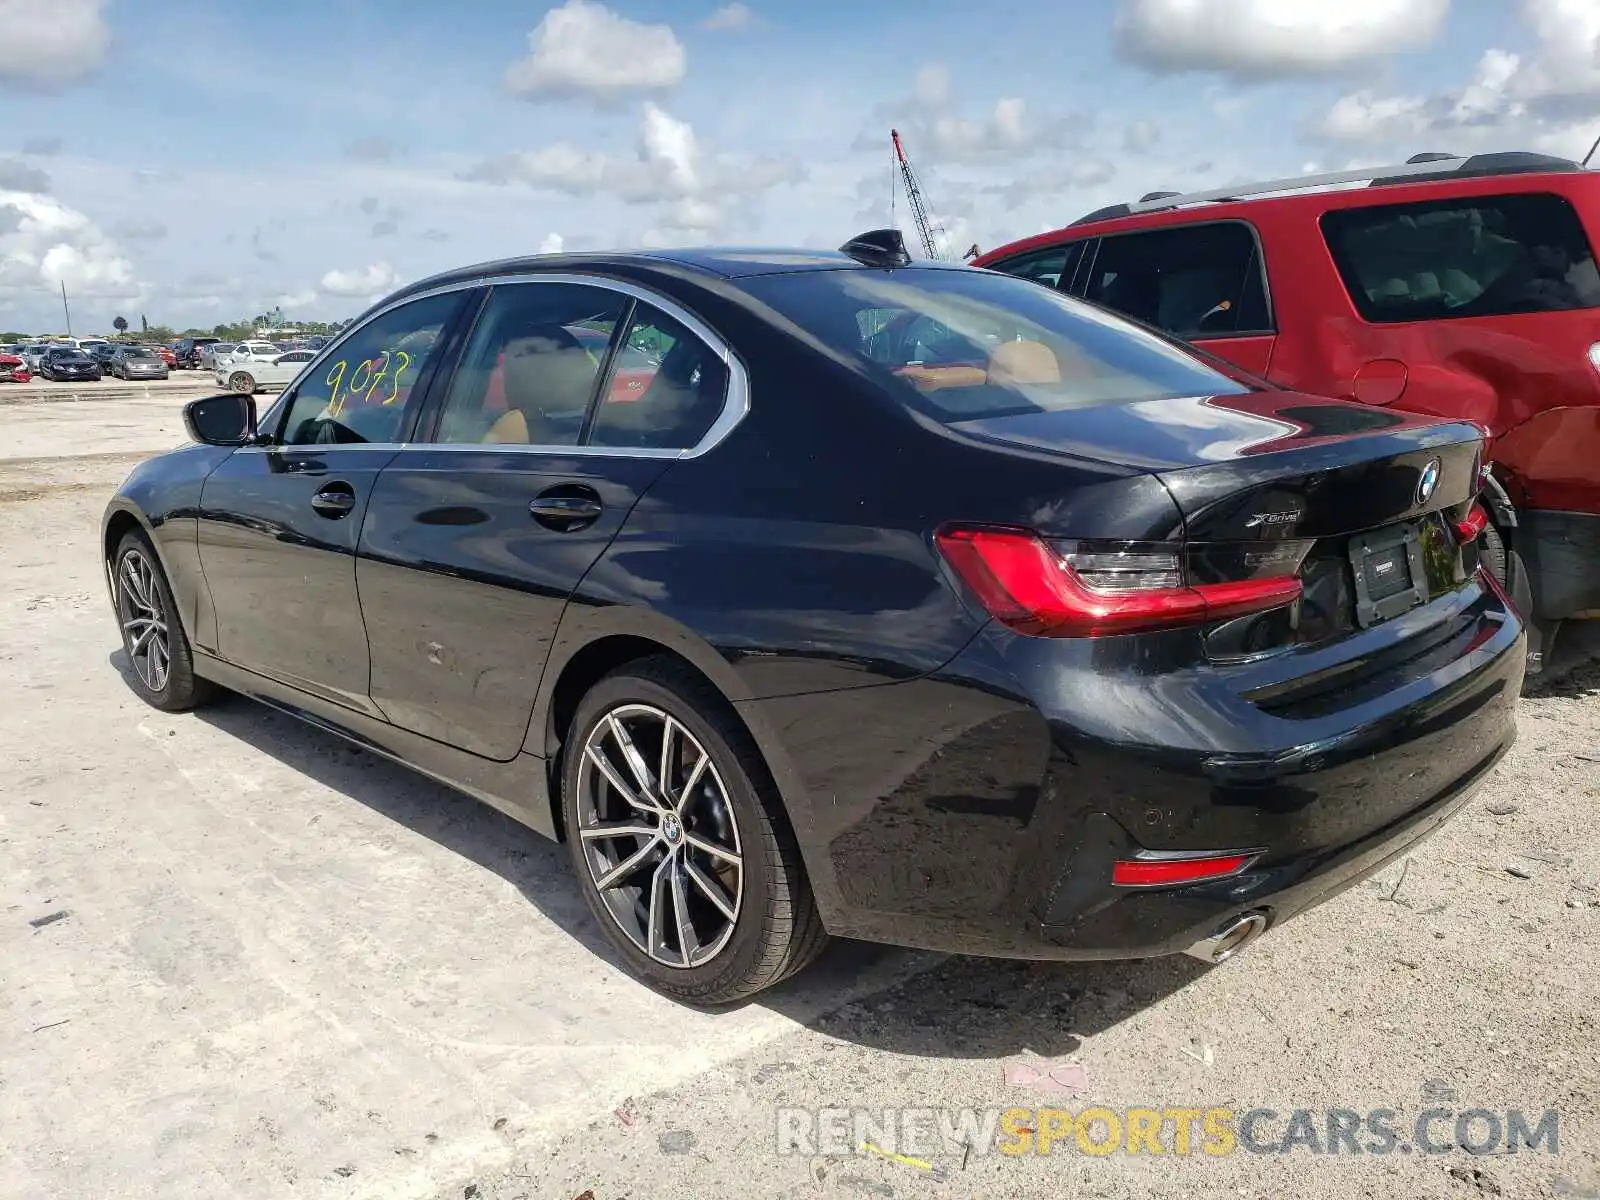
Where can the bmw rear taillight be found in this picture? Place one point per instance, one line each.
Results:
(1095, 589)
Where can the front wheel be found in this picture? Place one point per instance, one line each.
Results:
(684, 855)
(160, 660)
(241, 383)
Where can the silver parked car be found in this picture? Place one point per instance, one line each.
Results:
(137, 362)
(209, 353)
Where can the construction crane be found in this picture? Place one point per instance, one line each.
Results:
(928, 229)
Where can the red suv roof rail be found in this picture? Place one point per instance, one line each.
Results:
(1419, 168)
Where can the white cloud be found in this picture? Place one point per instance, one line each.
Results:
(669, 167)
(729, 16)
(1565, 77)
(1365, 116)
(51, 43)
(583, 50)
(934, 127)
(1547, 99)
(1053, 183)
(1265, 38)
(670, 144)
(371, 280)
(294, 300)
(18, 176)
(1141, 137)
(552, 244)
(43, 244)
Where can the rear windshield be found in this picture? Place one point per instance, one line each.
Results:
(964, 345)
(1476, 256)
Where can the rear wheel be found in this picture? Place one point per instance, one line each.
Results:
(683, 855)
(161, 663)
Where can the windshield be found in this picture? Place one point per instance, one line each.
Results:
(962, 345)
(137, 352)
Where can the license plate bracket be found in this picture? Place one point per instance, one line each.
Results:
(1388, 573)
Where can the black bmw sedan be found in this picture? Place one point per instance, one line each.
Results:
(825, 593)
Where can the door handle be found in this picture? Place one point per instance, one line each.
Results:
(334, 501)
(567, 507)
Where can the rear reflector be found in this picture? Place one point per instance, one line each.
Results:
(1035, 588)
(1158, 872)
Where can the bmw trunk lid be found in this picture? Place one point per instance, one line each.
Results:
(1268, 464)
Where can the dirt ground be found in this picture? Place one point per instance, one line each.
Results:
(241, 959)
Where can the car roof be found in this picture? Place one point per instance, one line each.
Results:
(714, 262)
(1423, 176)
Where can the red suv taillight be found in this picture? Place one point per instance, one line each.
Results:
(1082, 589)
(1471, 527)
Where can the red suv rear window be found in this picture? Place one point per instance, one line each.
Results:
(1475, 256)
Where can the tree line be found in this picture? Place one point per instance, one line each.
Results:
(228, 331)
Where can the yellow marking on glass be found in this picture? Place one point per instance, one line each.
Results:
(334, 380)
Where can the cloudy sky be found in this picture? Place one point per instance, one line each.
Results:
(201, 160)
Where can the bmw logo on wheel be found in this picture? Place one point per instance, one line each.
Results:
(1428, 482)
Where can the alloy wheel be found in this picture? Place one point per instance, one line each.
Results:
(144, 620)
(659, 835)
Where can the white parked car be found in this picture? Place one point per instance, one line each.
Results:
(246, 373)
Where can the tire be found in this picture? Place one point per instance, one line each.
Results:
(775, 930)
(141, 594)
(1507, 567)
(242, 382)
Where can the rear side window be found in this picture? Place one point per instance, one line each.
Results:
(962, 345)
(1053, 267)
(666, 387)
(1481, 256)
(1194, 281)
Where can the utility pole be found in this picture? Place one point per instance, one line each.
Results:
(64, 307)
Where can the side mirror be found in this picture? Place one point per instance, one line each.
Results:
(226, 420)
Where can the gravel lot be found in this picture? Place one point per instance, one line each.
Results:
(284, 967)
(178, 386)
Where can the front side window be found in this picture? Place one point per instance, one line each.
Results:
(666, 387)
(962, 345)
(1053, 267)
(531, 365)
(1482, 256)
(360, 390)
(1193, 281)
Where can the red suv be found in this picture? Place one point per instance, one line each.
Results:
(1461, 287)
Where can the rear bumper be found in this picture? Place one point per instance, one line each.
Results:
(981, 810)
(1561, 551)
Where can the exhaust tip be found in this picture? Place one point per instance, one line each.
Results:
(1231, 938)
